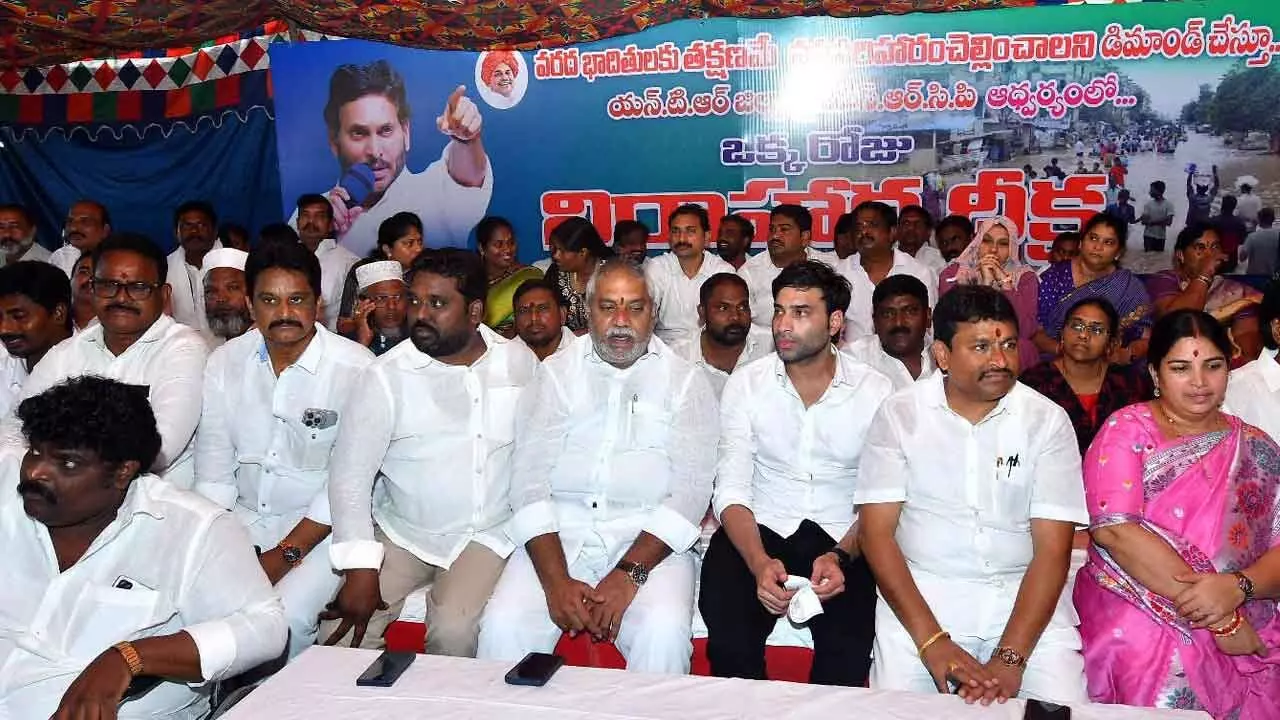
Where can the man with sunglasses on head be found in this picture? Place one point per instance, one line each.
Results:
(137, 343)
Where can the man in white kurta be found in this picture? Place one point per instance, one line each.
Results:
(901, 317)
(675, 278)
(790, 233)
(196, 231)
(615, 452)
(727, 339)
(877, 259)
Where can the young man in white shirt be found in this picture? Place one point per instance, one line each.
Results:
(88, 223)
(791, 430)
(877, 259)
(901, 317)
(674, 278)
(790, 232)
(1253, 394)
(226, 299)
(112, 574)
(196, 230)
(541, 312)
(419, 481)
(733, 240)
(314, 219)
(274, 401)
(912, 233)
(615, 452)
(728, 340)
(35, 315)
(970, 494)
(135, 342)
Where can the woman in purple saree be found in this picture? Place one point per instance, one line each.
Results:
(1177, 601)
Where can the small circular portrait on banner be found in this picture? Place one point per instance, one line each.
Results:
(501, 78)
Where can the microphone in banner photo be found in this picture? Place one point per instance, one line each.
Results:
(358, 182)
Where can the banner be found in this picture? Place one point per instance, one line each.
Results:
(1021, 112)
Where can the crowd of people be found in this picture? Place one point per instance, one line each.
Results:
(963, 475)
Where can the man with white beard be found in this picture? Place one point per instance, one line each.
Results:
(226, 300)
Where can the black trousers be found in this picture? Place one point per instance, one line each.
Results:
(738, 624)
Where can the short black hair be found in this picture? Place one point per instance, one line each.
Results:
(21, 210)
(970, 304)
(918, 210)
(307, 199)
(529, 286)
(102, 209)
(203, 207)
(39, 282)
(576, 234)
(1103, 304)
(139, 245)
(1065, 236)
(466, 269)
(960, 221)
(1266, 216)
(698, 211)
(1180, 324)
(896, 285)
(352, 82)
(623, 228)
(722, 278)
(748, 230)
(229, 229)
(109, 418)
(815, 274)
(1192, 233)
(1228, 205)
(798, 214)
(1158, 186)
(885, 210)
(1118, 226)
(844, 224)
(397, 226)
(484, 229)
(294, 257)
(277, 233)
(1269, 312)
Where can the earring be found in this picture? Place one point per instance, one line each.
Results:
(1157, 392)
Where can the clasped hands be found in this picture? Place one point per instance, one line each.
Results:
(576, 607)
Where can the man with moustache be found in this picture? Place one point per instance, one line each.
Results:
(541, 312)
(419, 480)
(18, 236)
(196, 228)
(615, 451)
(274, 402)
(877, 259)
(790, 232)
(380, 305)
(314, 219)
(728, 339)
(83, 312)
(734, 238)
(915, 227)
(675, 278)
(112, 575)
(969, 494)
(791, 435)
(35, 315)
(226, 301)
(900, 314)
(631, 241)
(88, 223)
(135, 342)
(953, 234)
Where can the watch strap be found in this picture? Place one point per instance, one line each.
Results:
(1245, 584)
(843, 555)
(1010, 657)
(637, 572)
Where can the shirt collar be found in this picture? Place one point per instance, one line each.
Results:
(96, 333)
(655, 348)
(1269, 369)
(839, 379)
(936, 397)
(310, 358)
(421, 360)
(325, 246)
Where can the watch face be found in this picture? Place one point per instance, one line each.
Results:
(292, 555)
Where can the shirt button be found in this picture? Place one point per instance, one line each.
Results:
(594, 505)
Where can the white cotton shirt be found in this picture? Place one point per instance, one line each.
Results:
(787, 463)
(65, 258)
(438, 439)
(191, 567)
(13, 373)
(759, 272)
(966, 514)
(335, 263)
(604, 453)
(931, 257)
(759, 343)
(36, 252)
(254, 452)
(566, 339)
(186, 285)
(168, 359)
(869, 350)
(857, 322)
(676, 296)
(1253, 394)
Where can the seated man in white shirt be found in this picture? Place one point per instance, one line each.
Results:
(18, 239)
(196, 232)
(421, 469)
(912, 234)
(790, 233)
(674, 278)
(35, 315)
(315, 230)
(541, 312)
(877, 259)
(728, 340)
(274, 401)
(135, 342)
(88, 223)
(112, 574)
(226, 301)
(1253, 393)
(615, 451)
(970, 491)
(901, 317)
(791, 430)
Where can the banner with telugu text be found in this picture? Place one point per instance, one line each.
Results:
(940, 110)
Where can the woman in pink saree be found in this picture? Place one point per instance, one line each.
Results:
(1177, 601)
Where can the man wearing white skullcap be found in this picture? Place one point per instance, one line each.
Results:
(226, 302)
(380, 305)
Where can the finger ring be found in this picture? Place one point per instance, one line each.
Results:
(952, 667)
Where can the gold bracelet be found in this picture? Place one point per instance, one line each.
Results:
(932, 639)
(131, 657)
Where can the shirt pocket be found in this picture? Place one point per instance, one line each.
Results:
(104, 616)
(500, 415)
(650, 425)
(1012, 501)
(311, 446)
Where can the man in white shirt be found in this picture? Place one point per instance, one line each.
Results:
(196, 229)
(630, 242)
(35, 315)
(314, 219)
(970, 491)
(113, 575)
(791, 430)
(1157, 216)
(1248, 205)
(900, 314)
(728, 340)
(877, 259)
(135, 342)
(734, 238)
(541, 312)
(615, 451)
(226, 300)
(912, 234)
(274, 400)
(18, 236)
(1253, 393)
(88, 223)
(953, 234)
(422, 466)
(790, 232)
(674, 278)
(369, 130)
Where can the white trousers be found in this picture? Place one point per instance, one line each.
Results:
(656, 628)
(975, 613)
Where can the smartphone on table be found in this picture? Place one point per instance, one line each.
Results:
(386, 669)
(535, 669)
(1040, 710)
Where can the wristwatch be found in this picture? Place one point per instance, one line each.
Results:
(1010, 657)
(1245, 584)
(842, 556)
(292, 554)
(635, 571)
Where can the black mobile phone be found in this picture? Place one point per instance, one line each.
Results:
(535, 669)
(386, 669)
(1040, 710)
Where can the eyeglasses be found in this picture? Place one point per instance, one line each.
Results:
(1095, 329)
(107, 289)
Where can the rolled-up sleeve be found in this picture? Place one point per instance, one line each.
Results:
(215, 452)
(363, 439)
(677, 520)
(542, 423)
(451, 210)
(735, 466)
(1058, 493)
(883, 472)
